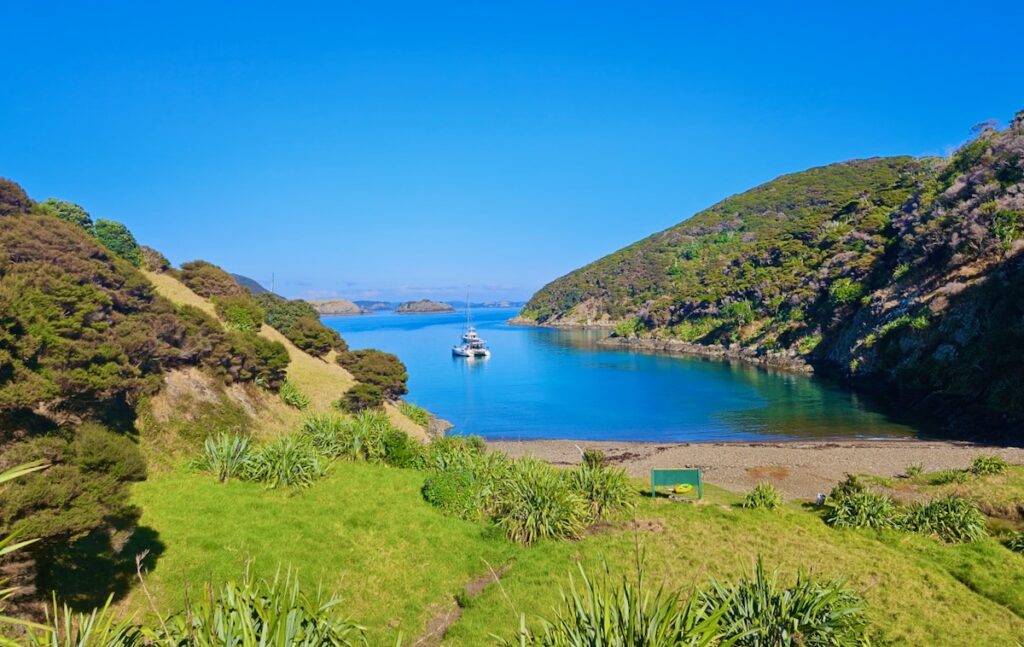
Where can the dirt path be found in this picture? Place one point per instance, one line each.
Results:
(800, 469)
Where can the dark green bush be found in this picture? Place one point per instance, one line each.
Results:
(850, 485)
(764, 495)
(116, 237)
(362, 397)
(400, 450)
(68, 212)
(239, 312)
(13, 199)
(951, 519)
(300, 323)
(383, 370)
(861, 509)
(456, 492)
(760, 611)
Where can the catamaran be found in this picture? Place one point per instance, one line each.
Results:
(472, 345)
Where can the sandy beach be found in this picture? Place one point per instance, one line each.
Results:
(801, 469)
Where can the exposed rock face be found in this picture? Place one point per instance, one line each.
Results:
(337, 307)
(423, 306)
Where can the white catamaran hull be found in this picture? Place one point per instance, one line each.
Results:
(470, 352)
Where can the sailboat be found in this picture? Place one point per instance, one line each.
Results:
(472, 345)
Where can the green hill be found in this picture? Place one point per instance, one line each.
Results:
(901, 268)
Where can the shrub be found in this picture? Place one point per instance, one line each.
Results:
(419, 415)
(68, 212)
(455, 491)
(363, 437)
(594, 458)
(239, 312)
(361, 397)
(986, 465)
(207, 280)
(862, 509)
(324, 431)
(1016, 542)
(289, 461)
(764, 495)
(402, 451)
(760, 611)
(116, 237)
(604, 488)
(13, 199)
(383, 370)
(607, 612)
(946, 477)
(260, 612)
(448, 452)
(225, 455)
(292, 396)
(850, 485)
(952, 519)
(536, 502)
(153, 260)
(313, 337)
(845, 291)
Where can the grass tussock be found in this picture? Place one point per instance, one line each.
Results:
(764, 496)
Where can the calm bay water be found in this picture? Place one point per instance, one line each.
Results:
(542, 383)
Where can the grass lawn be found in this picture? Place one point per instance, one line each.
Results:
(366, 533)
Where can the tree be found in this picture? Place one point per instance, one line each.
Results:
(119, 240)
(315, 338)
(68, 212)
(382, 370)
(361, 397)
(153, 260)
(13, 199)
(207, 280)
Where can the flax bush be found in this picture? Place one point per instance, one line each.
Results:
(290, 461)
(987, 465)
(537, 502)
(951, 519)
(604, 488)
(224, 455)
(764, 496)
(862, 509)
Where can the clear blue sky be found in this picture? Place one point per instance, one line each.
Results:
(402, 150)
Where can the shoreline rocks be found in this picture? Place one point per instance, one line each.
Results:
(784, 361)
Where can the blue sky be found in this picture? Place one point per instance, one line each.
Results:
(400, 150)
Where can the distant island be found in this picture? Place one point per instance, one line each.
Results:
(375, 306)
(423, 306)
(337, 307)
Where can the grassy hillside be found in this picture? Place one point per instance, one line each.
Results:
(908, 269)
(398, 563)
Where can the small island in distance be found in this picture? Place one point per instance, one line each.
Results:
(422, 306)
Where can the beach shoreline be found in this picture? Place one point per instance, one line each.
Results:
(799, 468)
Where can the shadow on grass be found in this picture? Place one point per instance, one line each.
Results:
(86, 572)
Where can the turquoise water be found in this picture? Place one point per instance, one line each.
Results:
(542, 383)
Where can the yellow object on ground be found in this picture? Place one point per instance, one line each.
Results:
(682, 488)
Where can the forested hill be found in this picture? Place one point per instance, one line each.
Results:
(908, 269)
